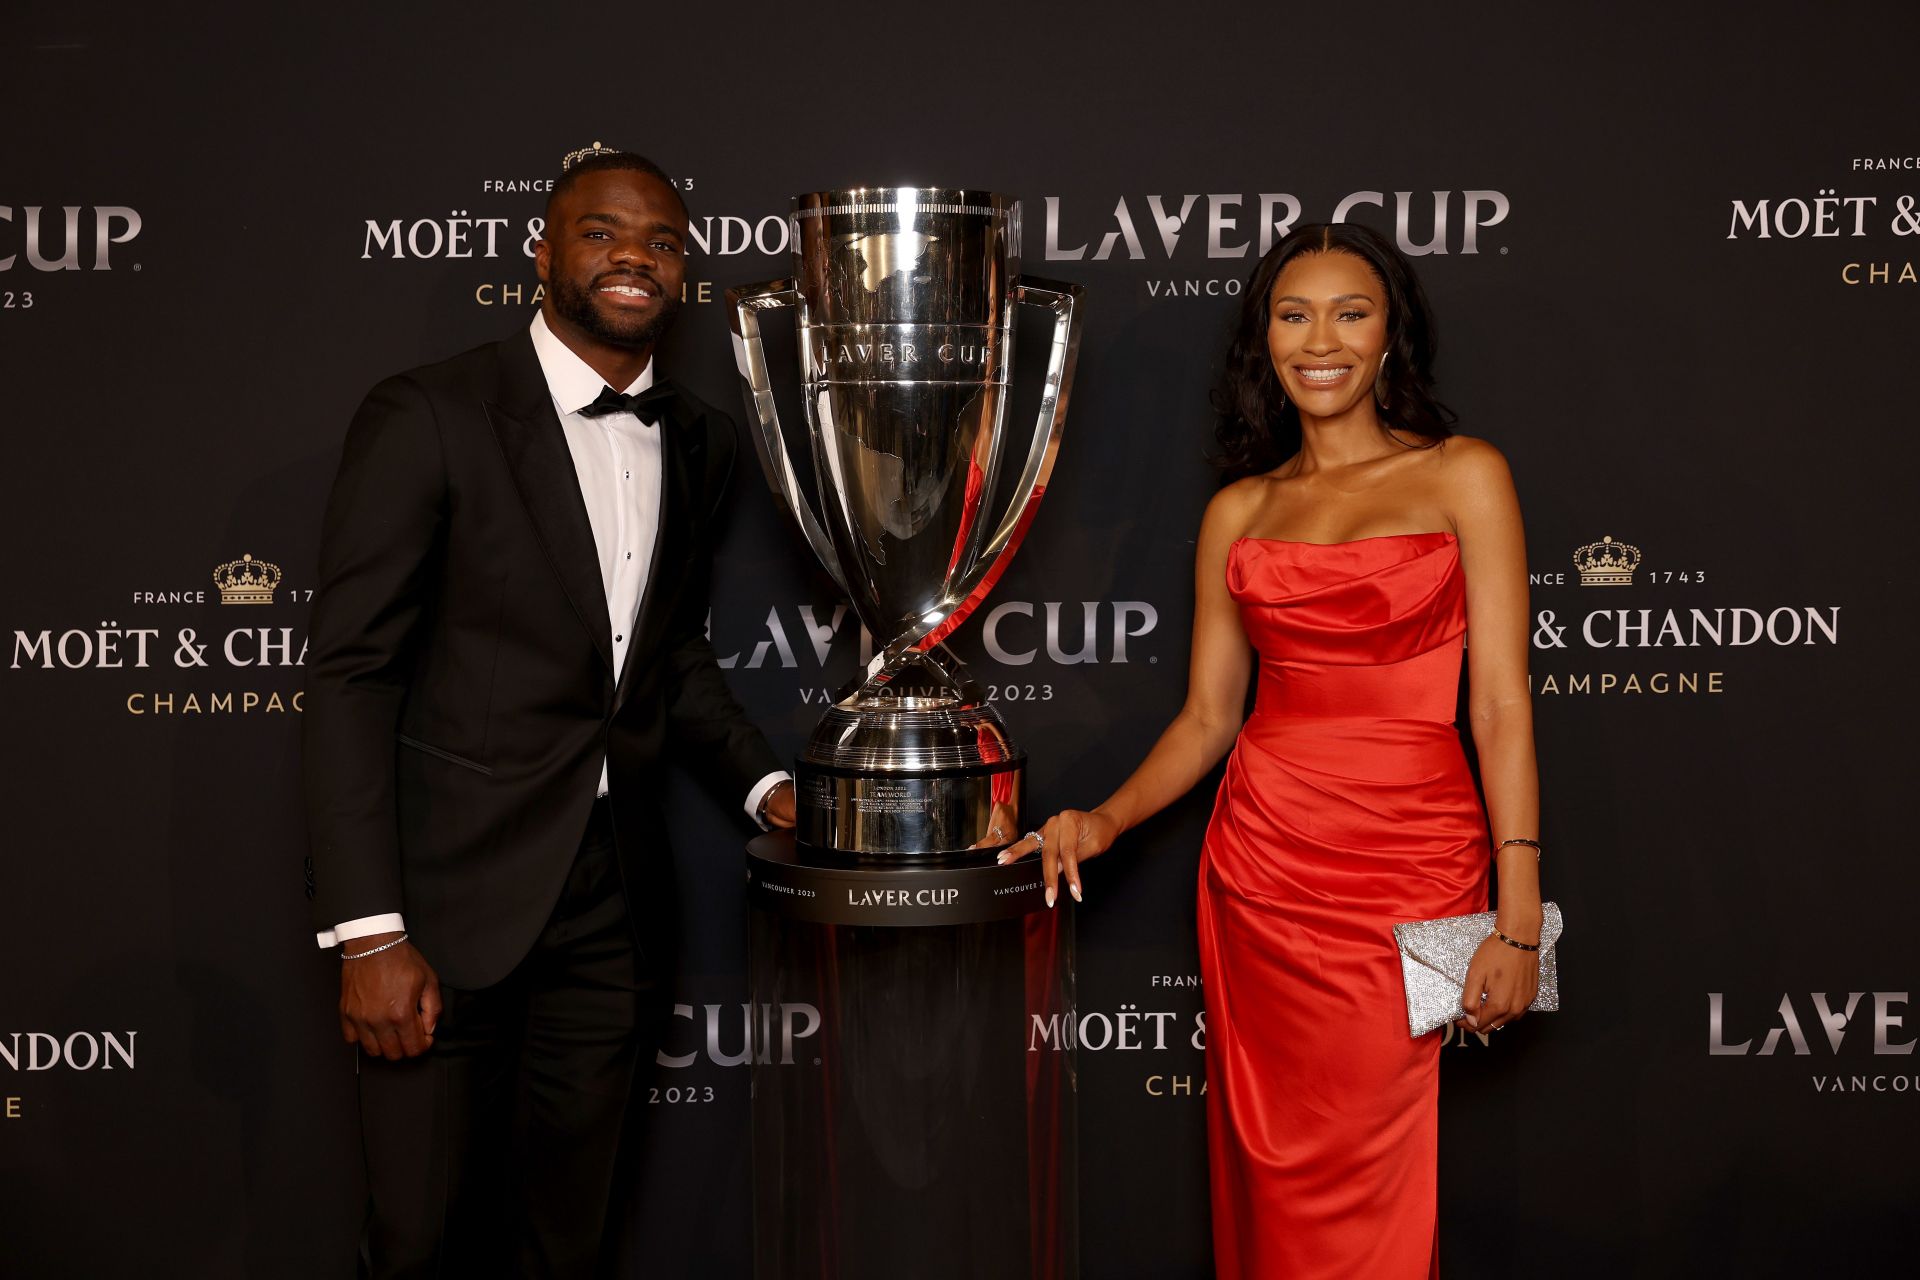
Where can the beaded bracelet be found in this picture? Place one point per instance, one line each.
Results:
(1531, 844)
(1515, 942)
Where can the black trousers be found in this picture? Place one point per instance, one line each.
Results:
(493, 1153)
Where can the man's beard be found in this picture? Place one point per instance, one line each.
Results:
(575, 304)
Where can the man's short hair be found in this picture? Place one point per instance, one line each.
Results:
(604, 161)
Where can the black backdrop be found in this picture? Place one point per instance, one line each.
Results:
(1676, 285)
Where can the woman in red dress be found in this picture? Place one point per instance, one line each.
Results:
(1358, 547)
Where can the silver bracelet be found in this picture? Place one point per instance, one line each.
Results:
(1531, 844)
(373, 951)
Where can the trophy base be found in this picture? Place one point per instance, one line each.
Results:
(938, 782)
(913, 1070)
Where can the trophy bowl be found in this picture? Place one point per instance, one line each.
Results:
(906, 299)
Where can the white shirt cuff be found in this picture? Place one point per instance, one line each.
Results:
(365, 926)
(759, 793)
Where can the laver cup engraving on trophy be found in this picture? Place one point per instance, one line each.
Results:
(906, 300)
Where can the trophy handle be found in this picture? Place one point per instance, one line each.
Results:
(1065, 301)
(744, 305)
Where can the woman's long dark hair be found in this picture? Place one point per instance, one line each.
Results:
(1259, 428)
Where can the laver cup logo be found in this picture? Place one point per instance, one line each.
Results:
(1015, 633)
(852, 350)
(1246, 225)
(1857, 1030)
(724, 1034)
(1218, 234)
(72, 237)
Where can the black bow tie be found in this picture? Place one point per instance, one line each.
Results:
(645, 405)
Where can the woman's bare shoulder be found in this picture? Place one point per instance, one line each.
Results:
(1231, 511)
(1467, 465)
(1472, 482)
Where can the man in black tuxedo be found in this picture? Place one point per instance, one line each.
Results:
(508, 645)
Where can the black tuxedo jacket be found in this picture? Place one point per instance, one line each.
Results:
(461, 694)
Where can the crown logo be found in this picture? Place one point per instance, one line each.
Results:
(246, 581)
(1607, 563)
(575, 157)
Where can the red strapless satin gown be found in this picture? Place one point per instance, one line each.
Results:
(1347, 807)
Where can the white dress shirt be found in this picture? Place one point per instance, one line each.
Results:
(617, 459)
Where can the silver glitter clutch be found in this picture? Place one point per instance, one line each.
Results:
(1434, 955)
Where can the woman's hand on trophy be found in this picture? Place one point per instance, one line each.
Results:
(1065, 841)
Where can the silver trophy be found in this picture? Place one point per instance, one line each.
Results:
(906, 299)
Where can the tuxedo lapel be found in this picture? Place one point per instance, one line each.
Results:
(528, 429)
(682, 456)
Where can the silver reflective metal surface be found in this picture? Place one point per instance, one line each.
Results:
(883, 813)
(906, 299)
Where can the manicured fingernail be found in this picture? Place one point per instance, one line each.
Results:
(1076, 891)
(1049, 895)
(1002, 859)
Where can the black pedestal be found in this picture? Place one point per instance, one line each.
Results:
(929, 1132)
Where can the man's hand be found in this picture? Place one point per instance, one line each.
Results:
(390, 1002)
(779, 806)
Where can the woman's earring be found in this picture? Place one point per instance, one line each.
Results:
(1380, 382)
